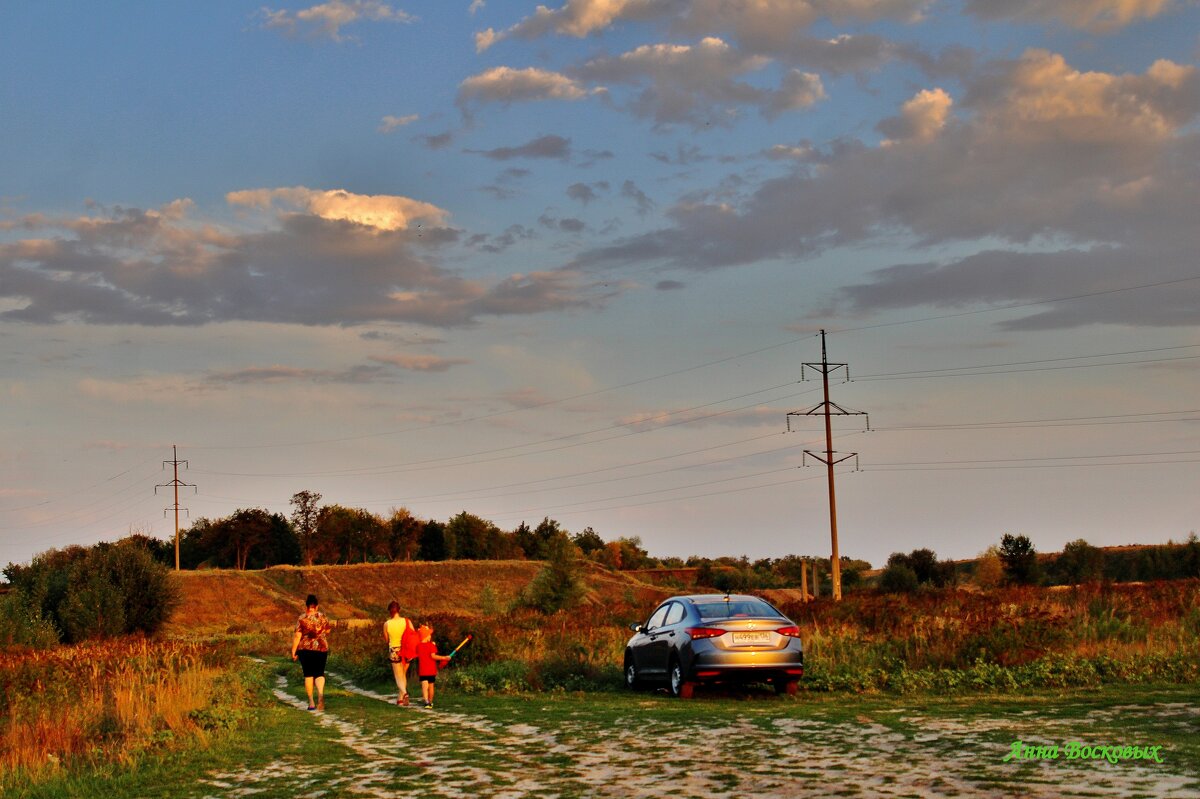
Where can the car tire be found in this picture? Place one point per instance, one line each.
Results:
(633, 680)
(789, 687)
(679, 686)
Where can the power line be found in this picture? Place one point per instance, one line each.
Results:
(430, 463)
(933, 373)
(703, 464)
(1029, 466)
(705, 495)
(1044, 458)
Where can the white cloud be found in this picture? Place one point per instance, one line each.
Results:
(328, 19)
(697, 84)
(1041, 97)
(390, 123)
(921, 118)
(382, 211)
(761, 25)
(507, 85)
(577, 18)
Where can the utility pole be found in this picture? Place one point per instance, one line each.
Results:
(829, 409)
(176, 483)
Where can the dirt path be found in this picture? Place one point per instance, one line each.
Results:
(777, 753)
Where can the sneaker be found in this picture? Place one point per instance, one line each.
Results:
(429, 704)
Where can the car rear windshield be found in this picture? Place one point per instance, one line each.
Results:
(737, 608)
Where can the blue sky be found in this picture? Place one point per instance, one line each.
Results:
(568, 260)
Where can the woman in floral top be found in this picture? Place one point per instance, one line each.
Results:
(312, 650)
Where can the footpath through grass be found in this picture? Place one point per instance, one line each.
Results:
(721, 744)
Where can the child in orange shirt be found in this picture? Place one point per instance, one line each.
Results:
(427, 662)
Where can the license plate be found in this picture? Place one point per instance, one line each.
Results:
(752, 638)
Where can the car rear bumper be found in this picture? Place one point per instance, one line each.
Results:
(716, 664)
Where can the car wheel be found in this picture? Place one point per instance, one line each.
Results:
(632, 681)
(679, 686)
(790, 687)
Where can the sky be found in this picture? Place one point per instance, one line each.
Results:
(570, 261)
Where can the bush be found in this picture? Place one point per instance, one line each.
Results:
(898, 579)
(23, 625)
(558, 585)
(99, 592)
(503, 676)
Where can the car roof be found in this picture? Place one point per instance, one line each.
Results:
(694, 598)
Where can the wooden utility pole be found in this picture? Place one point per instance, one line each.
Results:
(175, 483)
(828, 409)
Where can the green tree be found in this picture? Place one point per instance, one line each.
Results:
(250, 538)
(898, 578)
(476, 538)
(1020, 560)
(404, 535)
(989, 569)
(1080, 562)
(588, 541)
(524, 538)
(559, 584)
(432, 545)
(304, 520)
(350, 535)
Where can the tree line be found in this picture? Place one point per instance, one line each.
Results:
(315, 535)
(1015, 561)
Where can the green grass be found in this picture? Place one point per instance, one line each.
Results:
(627, 744)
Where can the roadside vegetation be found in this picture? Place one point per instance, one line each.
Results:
(106, 705)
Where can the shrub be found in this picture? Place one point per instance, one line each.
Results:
(99, 592)
(898, 578)
(503, 676)
(23, 625)
(558, 585)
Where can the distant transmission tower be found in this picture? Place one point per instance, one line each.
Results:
(176, 483)
(829, 409)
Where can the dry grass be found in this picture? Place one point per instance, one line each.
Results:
(107, 702)
(220, 601)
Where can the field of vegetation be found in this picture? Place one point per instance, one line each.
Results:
(101, 706)
(208, 685)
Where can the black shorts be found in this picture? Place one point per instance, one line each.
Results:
(428, 678)
(312, 662)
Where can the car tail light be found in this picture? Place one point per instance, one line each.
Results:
(700, 633)
(790, 632)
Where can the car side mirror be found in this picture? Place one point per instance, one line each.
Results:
(637, 628)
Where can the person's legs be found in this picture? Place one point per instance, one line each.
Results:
(427, 691)
(320, 683)
(403, 681)
(308, 688)
(398, 676)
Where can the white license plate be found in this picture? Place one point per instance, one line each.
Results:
(752, 638)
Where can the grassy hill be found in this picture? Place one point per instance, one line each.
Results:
(220, 601)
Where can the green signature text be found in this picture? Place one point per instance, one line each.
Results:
(1076, 750)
